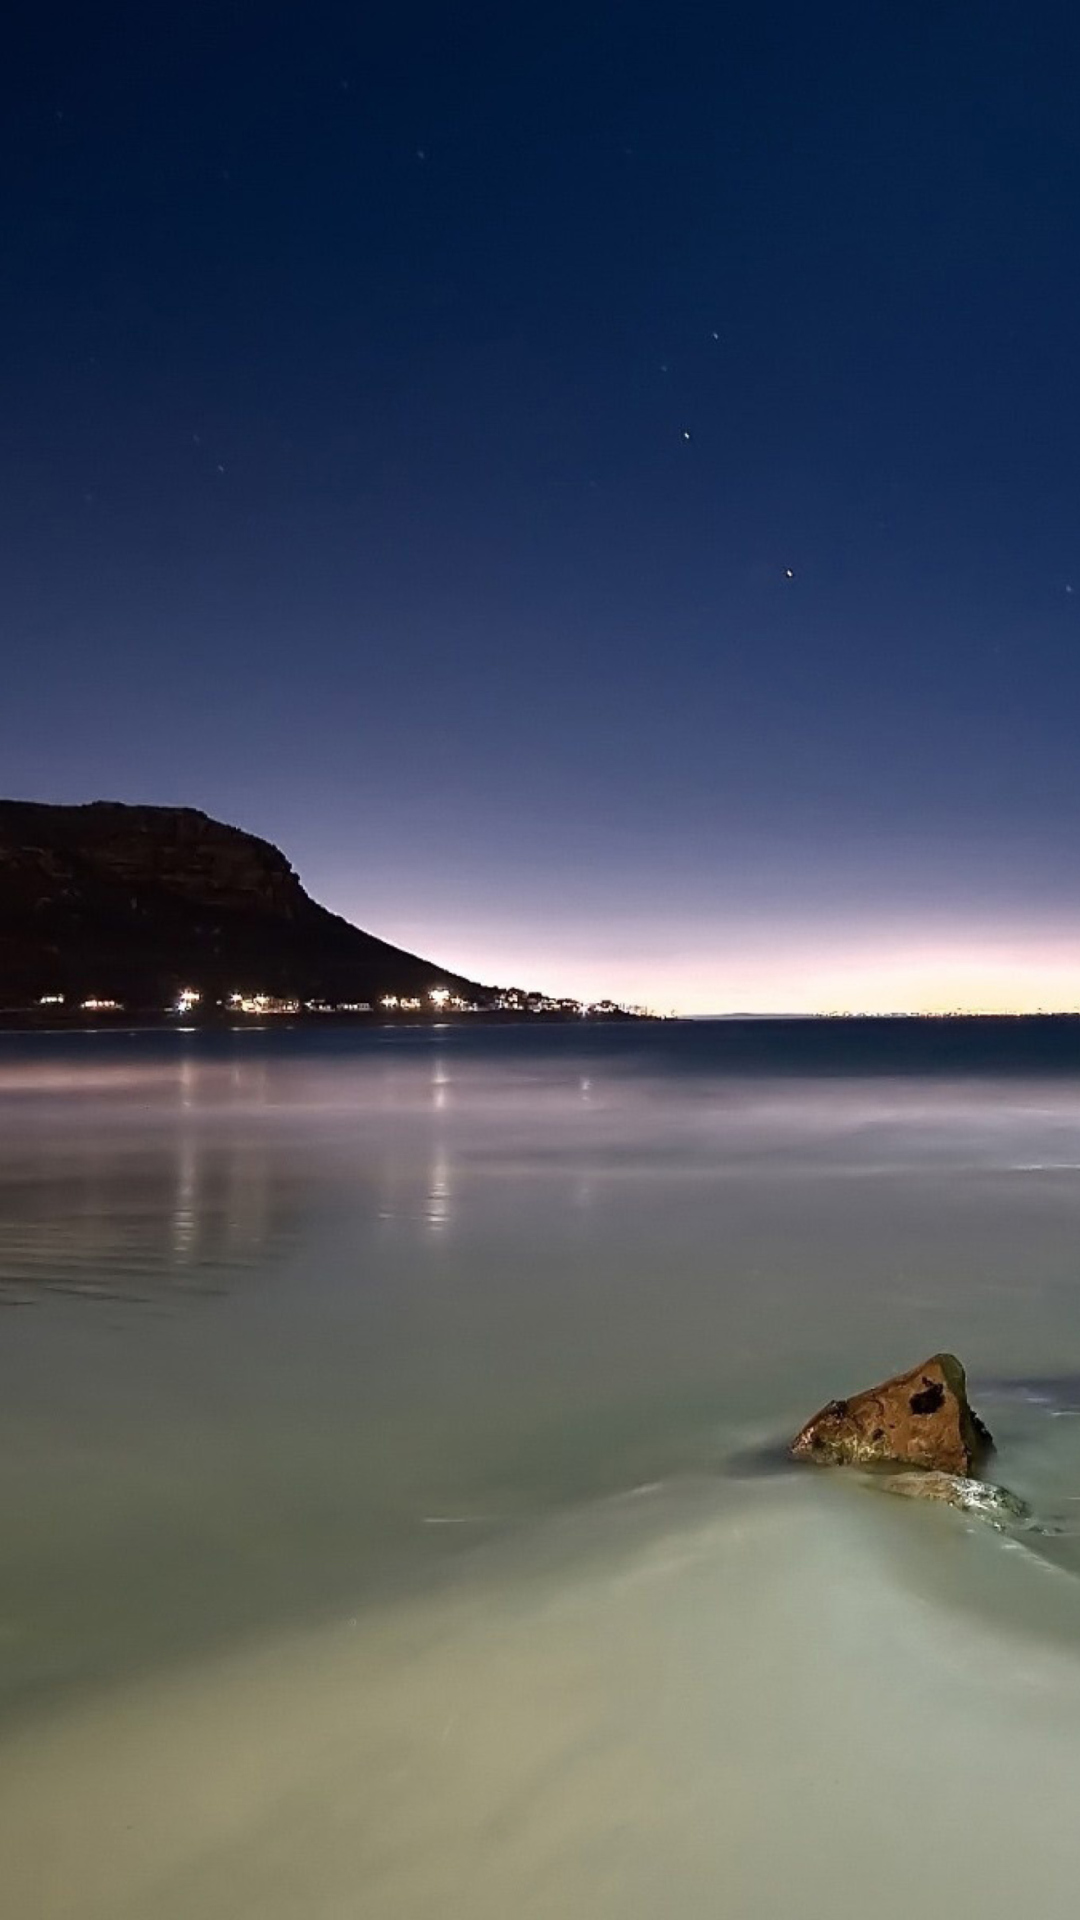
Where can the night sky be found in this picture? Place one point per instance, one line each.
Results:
(599, 485)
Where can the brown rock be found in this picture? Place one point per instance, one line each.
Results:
(917, 1419)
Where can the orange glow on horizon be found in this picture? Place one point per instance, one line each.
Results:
(792, 972)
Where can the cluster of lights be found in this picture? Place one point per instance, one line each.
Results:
(517, 1002)
(437, 1000)
(261, 1003)
(440, 998)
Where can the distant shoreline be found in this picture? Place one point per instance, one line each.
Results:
(34, 1020)
(118, 1020)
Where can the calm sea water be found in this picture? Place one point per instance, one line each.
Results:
(384, 1521)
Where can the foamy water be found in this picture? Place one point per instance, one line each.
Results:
(380, 1530)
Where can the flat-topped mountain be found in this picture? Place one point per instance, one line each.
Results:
(137, 904)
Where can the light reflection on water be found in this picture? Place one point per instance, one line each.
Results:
(334, 1369)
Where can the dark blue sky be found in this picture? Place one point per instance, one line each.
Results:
(348, 356)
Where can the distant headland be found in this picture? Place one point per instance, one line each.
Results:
(109, 911)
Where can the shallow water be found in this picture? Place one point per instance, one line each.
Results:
(379, 1528)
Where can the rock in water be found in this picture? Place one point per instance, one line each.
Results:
(917, 1419)
(995, 1504)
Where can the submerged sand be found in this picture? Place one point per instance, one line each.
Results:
(645, 1709)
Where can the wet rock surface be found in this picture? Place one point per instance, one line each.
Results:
(995, 1504)
(921, 1418)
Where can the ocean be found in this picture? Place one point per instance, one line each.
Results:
(394, 1517)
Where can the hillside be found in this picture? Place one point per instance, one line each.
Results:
(135, 904)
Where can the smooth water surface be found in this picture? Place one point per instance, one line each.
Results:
(382, 1528)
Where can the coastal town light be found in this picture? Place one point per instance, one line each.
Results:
(439, 996)
(263, 1003)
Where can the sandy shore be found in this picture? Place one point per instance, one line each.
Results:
(641, 1711)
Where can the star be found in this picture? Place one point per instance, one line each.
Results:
(789, 573)
(686, 434)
